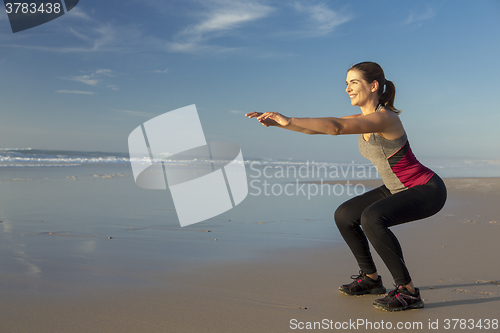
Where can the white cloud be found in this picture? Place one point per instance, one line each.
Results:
(99, 37)
(96, 36)
(414, 17)
(322, 19)
(86, 79)
(77, 12)
(107, 72)
(75, 92)
(52, 49)
(160, 71)
(198, 48)
(229, 15)
(237, 112)
(135, 113)
(112, 87)
(106, 35)
(221, 18)
(210, 20)
(93, 78)
(80, 35)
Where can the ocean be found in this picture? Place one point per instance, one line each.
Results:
(17, 158)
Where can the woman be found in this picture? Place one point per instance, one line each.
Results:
(410, 191)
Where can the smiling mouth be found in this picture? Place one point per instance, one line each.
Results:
(352, 96)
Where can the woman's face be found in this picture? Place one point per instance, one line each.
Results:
(360, 92)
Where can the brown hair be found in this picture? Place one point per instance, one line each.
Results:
(371, 71)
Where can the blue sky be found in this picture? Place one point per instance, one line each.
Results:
(86, 80)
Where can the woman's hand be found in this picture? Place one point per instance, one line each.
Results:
(270, 118)
(277, 117)
(266, 122)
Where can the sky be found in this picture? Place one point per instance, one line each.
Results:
(85, 80)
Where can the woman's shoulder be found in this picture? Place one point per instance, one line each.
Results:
(395, 129)
(389, 115)
(388, 109)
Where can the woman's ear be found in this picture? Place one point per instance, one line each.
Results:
(374, 86)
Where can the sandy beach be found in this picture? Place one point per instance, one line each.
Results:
(256, 276)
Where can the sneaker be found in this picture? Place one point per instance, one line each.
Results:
(400, 299)
(362, 285)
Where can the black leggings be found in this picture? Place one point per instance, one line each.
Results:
(377, 210)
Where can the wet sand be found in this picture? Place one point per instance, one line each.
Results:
(103, 287)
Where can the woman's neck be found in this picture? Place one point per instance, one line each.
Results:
(369, 107)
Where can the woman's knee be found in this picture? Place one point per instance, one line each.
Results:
(344, 216)
(372, 220)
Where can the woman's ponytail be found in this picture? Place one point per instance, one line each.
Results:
(388, 96)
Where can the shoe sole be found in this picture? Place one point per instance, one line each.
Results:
(378, 291)
(418, 305)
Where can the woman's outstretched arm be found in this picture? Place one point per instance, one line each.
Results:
(270, 122)
(376, 122)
